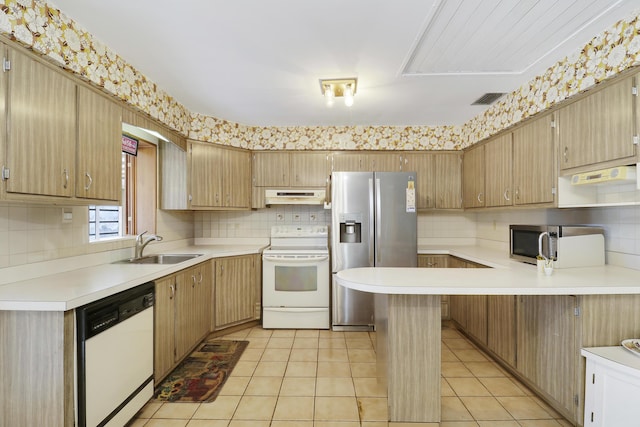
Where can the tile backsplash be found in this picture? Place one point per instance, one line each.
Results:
(621, 225)
(34, 233)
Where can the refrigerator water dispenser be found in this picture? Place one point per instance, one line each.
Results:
(350, 232)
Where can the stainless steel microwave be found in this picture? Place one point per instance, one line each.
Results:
(567, 245)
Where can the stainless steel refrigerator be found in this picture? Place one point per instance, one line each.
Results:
(373, 225)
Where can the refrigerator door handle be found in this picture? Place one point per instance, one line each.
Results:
(372, 204)
(375, 226)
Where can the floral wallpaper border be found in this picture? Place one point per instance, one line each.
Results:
(51, 33)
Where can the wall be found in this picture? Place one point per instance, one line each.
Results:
(34, 233)
(446, 228)
(621, 225)
(48, 31)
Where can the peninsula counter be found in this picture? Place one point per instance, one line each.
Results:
(408, 323)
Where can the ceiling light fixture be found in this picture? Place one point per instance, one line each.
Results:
(334, 88)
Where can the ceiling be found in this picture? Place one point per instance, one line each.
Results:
(418, 62)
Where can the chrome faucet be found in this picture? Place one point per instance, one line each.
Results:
(142, 242)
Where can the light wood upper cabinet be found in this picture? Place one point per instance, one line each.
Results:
(473, 169)
(219, 176)
(349, 162)
(237, 178)
(206, 175)
(598, 127)
(384, 162)
(534, 170)
(423, 165)
(498, 171)
(99, 143)
(235, 290)
(41, 142)
(448, 179)
(271, 169)
(308, 169)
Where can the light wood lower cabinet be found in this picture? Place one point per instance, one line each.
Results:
(547, 347)
(37, 379)
(437, 261)
(501, 327)
(236, 290)
(182, 315)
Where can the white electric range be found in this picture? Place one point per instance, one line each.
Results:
(295, 278)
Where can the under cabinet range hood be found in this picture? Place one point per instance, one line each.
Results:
(294, 197)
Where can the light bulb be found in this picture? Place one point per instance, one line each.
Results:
(328, 95)
(348, 95)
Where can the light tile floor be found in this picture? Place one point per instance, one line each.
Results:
(311, 378)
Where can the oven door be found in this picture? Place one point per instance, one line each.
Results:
(295, 280)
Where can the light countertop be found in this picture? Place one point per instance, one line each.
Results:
(71, 289)
(507, 277)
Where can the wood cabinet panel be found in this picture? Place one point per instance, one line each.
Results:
(433, 261)
(448, 170)
(501, 327)
(206, 175)
(423, 165)
(547, 346)
(308, 169)
(598, 127)
(182, 315)
(473, 171)
(164, 327)
(384, 162)
(271, 169)
(237, 179)
(219, 176)
(534, 170)
(99, 146)
(37, 381)
(349, 162)
(42, 135)
(235, 290)
(498, 171)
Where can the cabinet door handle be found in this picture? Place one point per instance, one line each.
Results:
(432, 264)
(517, 193)
(193, 280)
(173, 291)
(200, 281)
(480, 198)
(65, 172)
(506, 195)
(565, 154)
(89, 181)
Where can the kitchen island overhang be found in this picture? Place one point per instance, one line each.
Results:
(408, 322)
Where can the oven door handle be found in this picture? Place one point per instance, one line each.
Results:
(294, 258)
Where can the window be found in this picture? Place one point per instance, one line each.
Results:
(137, 212)
(104, 222)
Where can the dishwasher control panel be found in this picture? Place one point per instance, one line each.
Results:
(101, 315)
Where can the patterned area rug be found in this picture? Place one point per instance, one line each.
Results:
(201, 375)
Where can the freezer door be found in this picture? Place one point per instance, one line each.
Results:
(396, 235)
(352, 220)
(352, 310)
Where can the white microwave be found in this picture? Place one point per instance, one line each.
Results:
(568, 245)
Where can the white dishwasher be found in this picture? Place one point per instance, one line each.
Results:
(115, 357)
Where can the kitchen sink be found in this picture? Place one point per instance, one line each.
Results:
(159, 259)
